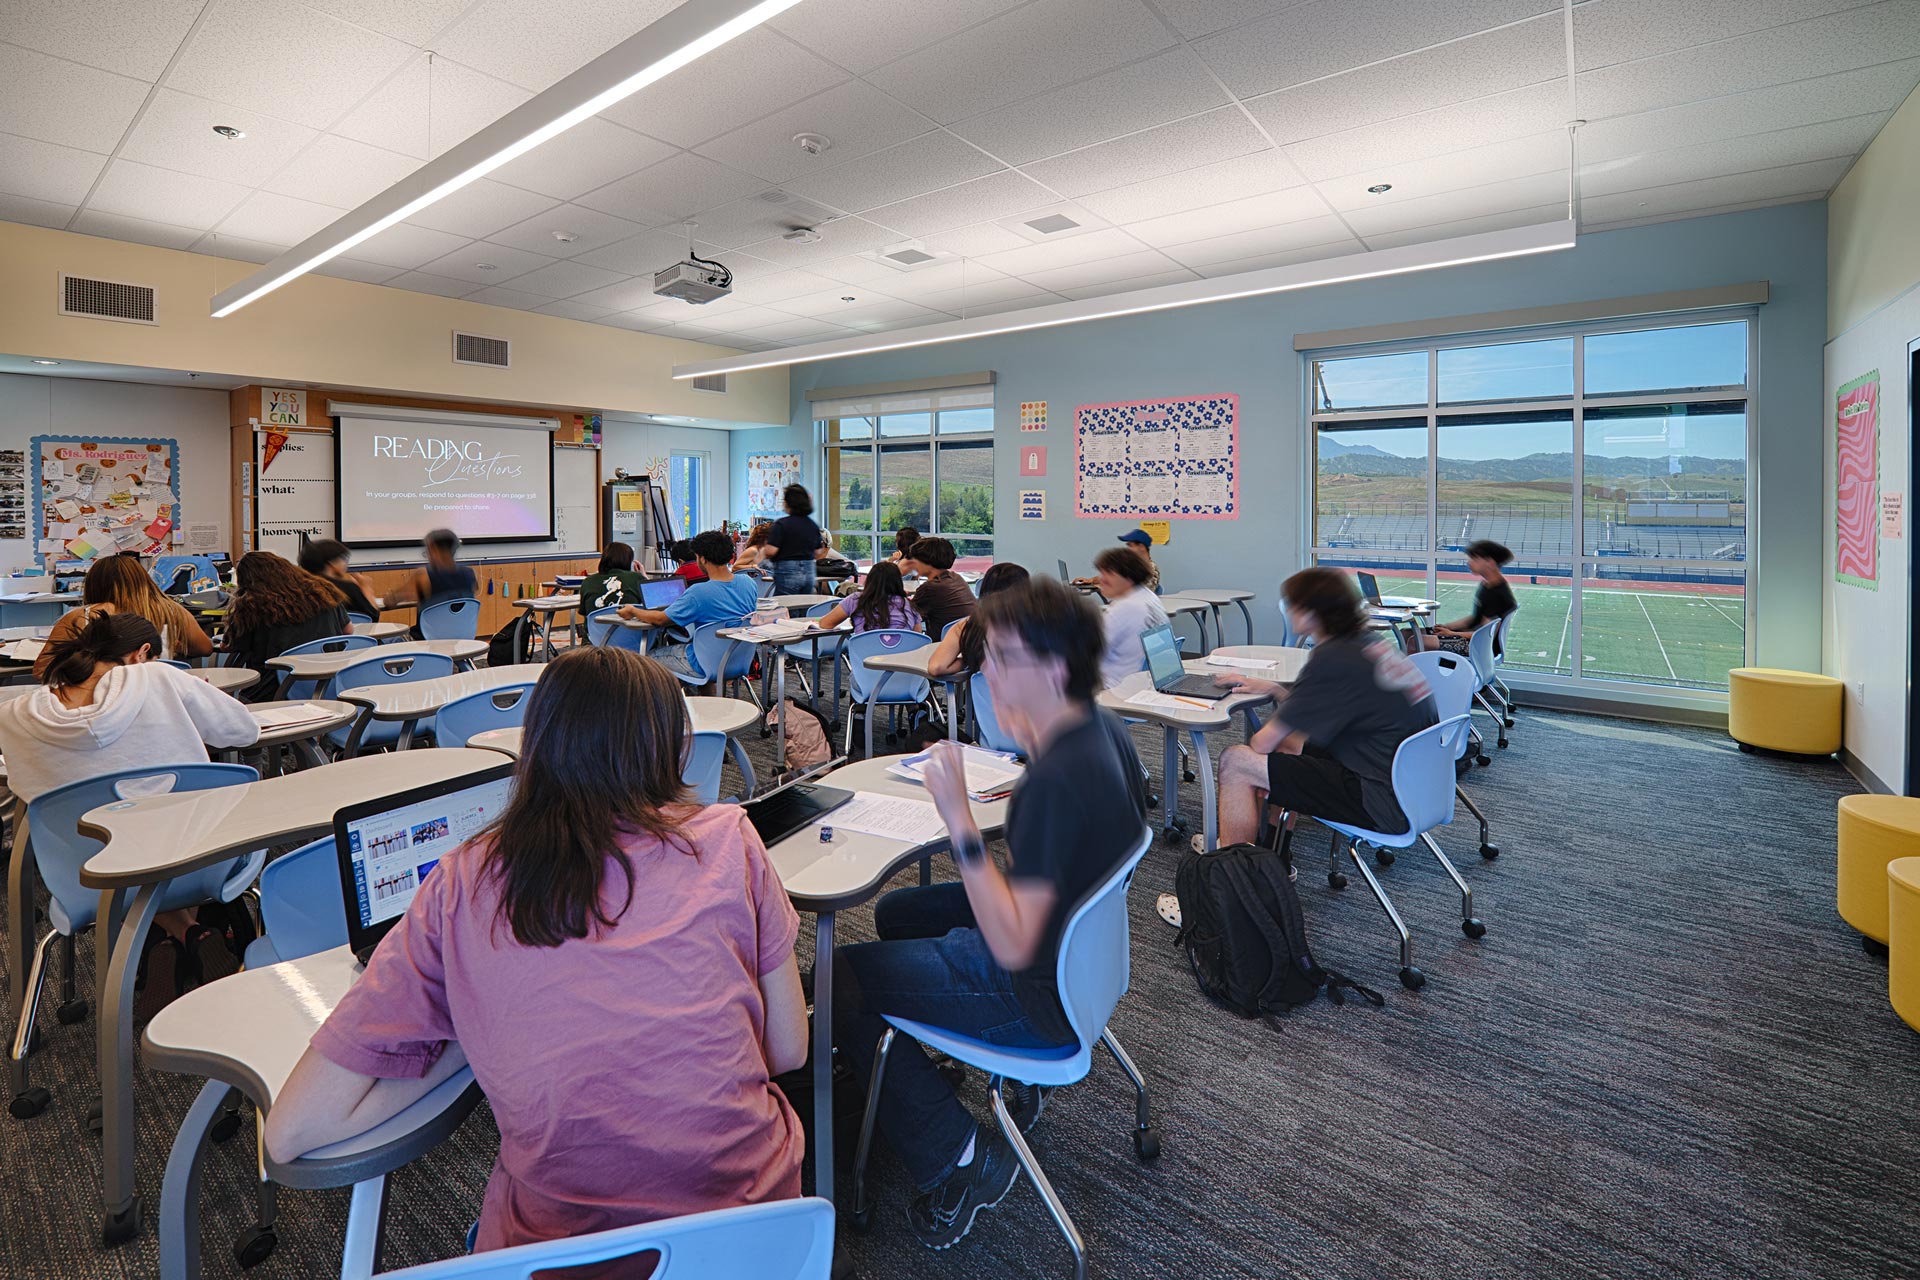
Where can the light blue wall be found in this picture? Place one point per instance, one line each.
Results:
(1246, 348)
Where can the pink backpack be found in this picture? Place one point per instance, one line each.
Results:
(806, 738)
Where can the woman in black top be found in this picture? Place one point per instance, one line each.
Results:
(1492, 600)
(277, 605)
(795, 543)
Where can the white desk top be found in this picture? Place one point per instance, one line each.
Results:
(827, 877)
(810, 635)
(710, 715)
(1291, 660)
(318, 666)
(1407, 602)
(803, 600)
(381, 630)
(226, 679)
(339, 715)
(548, 604)
(1215, 595)
(162, 836)
(1183, 716)
(912, 662)
(1184, 604)
(421, 698)
(47, 597)
(9, 634)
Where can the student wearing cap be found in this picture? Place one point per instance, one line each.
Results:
(1141, 543)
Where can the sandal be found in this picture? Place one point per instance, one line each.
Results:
(1168, 905)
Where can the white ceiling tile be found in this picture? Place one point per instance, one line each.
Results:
(754, 218)
(978, 240)
(239, 248)
(925, 164)
(1250, 214)
(1125, 266)
(1198, 140)
(1266, 240)
(1194, 18)
(1501, 221)
(1284, 258)
(176, 132)
(564, 279)
(834, 302)
(1036, 47)
(913, 284)
(589, 155)
(1331, 36)
(647, 252)
(421, 282)
(339, 171)
(627, 295)
(999, 195)
(837, 239)
(277, 219)
(430, 106)
(481, 208)
(675, 188)
(1413, 179)
(142, 191)
(464, 263)
(1617, 224)
(1155, 90)
(1623, 30)
(44, 171)
(35, 213)
(1106, 288)
(405, 245)
(1454, 206)
(350, 269)
(1814, 179)
(739, 319)
(130, 37)
(1517, 113)
(888, 314)
(988, 296)
(535, 44)
(590, 228)
(746, 78)
(414, 21)
(1065, 252)
(1825, 141)
(113, 226)
(282, 58)
(629, 321)
(1231, 179)
(499, 296)
(567, 309)
(55, 101)
(798, 330)
(856, 117)
(862, 34)
(769, 286)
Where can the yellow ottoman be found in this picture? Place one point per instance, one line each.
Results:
(1903, 953)
(1780, 710)
(1874, 830)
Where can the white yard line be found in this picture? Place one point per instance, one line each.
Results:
(1722, 612)
(1641, 601)
(1566, 625)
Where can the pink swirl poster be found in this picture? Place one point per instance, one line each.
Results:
(1856, 483)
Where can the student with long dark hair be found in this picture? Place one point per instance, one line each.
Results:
(614, 962)
(964, 648)
(882, 603)
(276, 605)
(330, 559)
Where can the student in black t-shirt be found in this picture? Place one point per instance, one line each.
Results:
(1492, 600)
(613, 582)
(980, 956)
(793, 544)
(944, 596)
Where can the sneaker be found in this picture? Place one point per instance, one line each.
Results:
(1026, 1103)
(943, 1216)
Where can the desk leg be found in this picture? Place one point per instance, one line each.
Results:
(366, 1224)
(953, 712)
(1246, 617)
(1169, 779)
(115, 1013)
(179, 1224)
(1219, 631)
(823, 1055)
(22, 882)
(406, 735)
(1209, 798)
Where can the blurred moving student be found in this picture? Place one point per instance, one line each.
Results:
(613, 582)
(326, 558)
(443, 577)
(1132, 610)
(276, 605)
(613, 961)
(794, 544)
(1492, 599)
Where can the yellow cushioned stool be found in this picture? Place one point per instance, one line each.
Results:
(1874, 830)
(1903, 936)
(1795, 711)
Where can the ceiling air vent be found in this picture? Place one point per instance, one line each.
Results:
(1053, 224)
(106, 299)
(471, 348)
(712, 382)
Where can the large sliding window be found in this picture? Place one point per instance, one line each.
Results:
(1630, 551)
(921, 458)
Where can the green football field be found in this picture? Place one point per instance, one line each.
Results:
(1670, 636)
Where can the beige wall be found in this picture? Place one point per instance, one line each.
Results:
(339, 333)
(1873, 224)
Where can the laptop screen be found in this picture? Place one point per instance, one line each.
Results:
(660, 594)
(1163, 656)
(387, 848)
(1369, 587)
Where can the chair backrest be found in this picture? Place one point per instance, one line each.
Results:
(1096, 948)
(603, 626)
(360, 619)
(504, 707)
(1453, 682)
(773, 1240)
(53, 824)
(302, 905)
(174, 662)
(985, 721)
(824, 608)
(1500, 639)
(329, 644)
(702, 772)
(454, 619)
(765, 587)
(392, 668)
(950, 626)
(1288, 636)
(1480, 652)
(889, 640)
(1423, 780)
(706, 650)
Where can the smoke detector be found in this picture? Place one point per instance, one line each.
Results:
(812, 143)
(566, 237)
(802, 235)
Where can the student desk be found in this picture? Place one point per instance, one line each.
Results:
(382, 631)
(1217, 598)
(709, 715)
(298, 738)
(226, 679)
(246, 1032)
(416, 701)
(824, 879)
(805, 600)
(914, 663)
(37, 609)
(1180, 606)
(776, 651)
(152, 840)
(545, 607)
(324, 666)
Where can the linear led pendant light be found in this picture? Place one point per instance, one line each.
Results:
(1488, 245)
(695, 28)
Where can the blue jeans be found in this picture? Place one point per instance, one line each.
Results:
(793, 577)
(931, 965)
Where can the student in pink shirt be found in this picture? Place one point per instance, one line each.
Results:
(614, 962)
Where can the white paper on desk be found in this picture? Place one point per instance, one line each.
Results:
(777, 631)
(25, 650)
(988, 772)
(284, 717)
(1168, 701)
(1249, 664)
(891, 817)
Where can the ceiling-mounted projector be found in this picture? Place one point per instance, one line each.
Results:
(695, 280)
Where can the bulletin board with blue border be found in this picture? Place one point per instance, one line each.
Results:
(100, 495)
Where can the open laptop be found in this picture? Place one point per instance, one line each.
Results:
(785, 810)
(660, 594)
(1370, 592)
(386, 848)
(1169, 673)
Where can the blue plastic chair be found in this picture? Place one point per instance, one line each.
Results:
(504, 707)
(1480, 653)
(1498, 685)
(453, 619)
(882, 688)
(1094, 968)
(986, 724)
(360, 619)
(291, 688)
(302, 906)
(200, 574)
(388, 668)
(707, 659)
(174, 662)
(58, 851)
(604, 628)
(1452, 680)
(1424, 787)
(702, 772)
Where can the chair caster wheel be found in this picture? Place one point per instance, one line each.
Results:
(1473, 928)
(29, 1103)
(224, 1128)
(1412, 979)
(1483, 761)
(1489, 851)
(1746, 748)
(1146, 1144)
(861, 1219)
(73, 1011)
(254, 1246)
(1335, 880)
(96, 1117)
(1502, 744)
(1385, 857)
(1153, 800)
(121, 1227)
(1186, 775)
(1509, 724)
(1871, 946)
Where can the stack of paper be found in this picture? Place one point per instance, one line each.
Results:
(285, 717)
(1249, 664)
(991, 775)
(24, 650)
(778, 631)
(1168, 701)
(892, 817)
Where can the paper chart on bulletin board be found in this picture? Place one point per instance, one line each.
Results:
(767, 475)
(100, 495)
(1173, 458)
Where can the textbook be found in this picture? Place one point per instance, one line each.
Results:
(285, 717)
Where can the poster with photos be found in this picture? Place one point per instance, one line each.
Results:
(13, 495)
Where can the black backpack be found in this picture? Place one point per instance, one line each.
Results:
(1241, 927)
(513, 643)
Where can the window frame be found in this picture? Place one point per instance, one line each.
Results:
(877, 444)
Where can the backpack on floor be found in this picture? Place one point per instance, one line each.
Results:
(1241, 928)
(806, 737)
(513, 643)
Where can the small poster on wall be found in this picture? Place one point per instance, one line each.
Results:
(1033, 415)
(283, 407)
(1033, 504)
(1856, 481)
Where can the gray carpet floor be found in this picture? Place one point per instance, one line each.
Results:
(1667, 1057)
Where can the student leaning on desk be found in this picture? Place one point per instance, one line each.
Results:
(616, 964)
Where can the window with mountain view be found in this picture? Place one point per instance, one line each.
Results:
(1630, 552)
(922, 459)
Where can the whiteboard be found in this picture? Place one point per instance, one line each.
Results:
(576, 501)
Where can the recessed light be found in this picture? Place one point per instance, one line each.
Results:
(46, 362)
(1379, 188)
(485, 266)
(566, 237)
(230, 133)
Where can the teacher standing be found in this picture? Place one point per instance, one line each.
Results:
(794, 543)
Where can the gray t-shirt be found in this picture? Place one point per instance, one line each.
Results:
(1358, 700)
